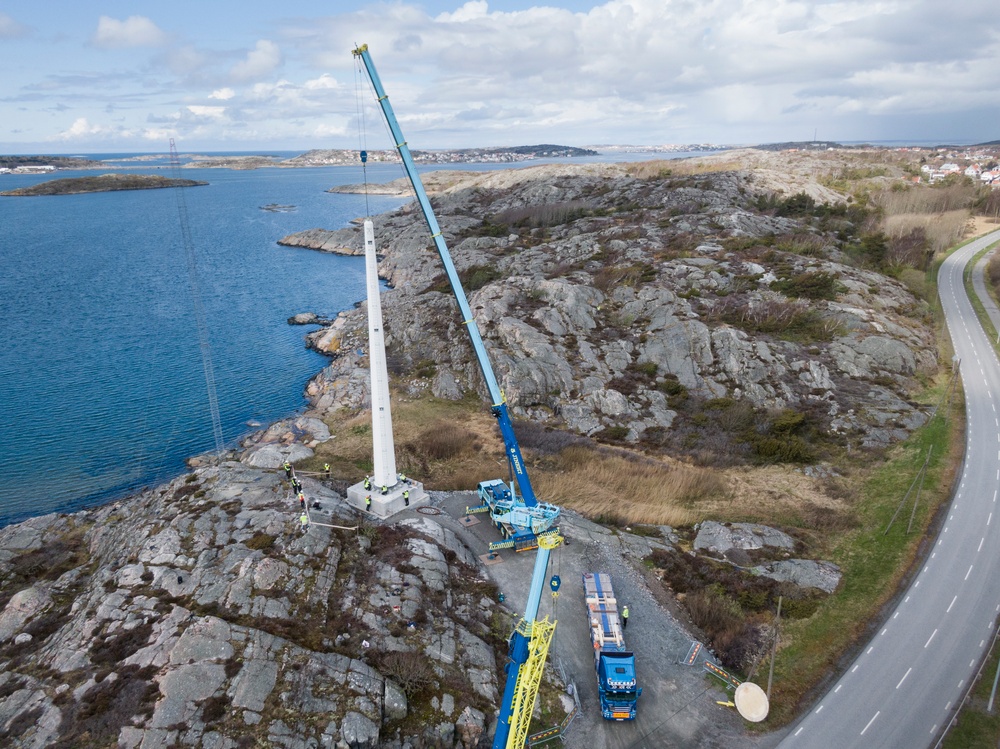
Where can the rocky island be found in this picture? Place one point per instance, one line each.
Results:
(101, 183)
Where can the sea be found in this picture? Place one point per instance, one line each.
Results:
(103, 387)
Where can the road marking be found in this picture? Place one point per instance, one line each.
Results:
(818, 709)
(904, 677)
(982, 642)
(855, 668)
(800, 731)
(877, 712)
(989, 519)
(930, 638)
(995, 490)
(981, 544)
(895, 615)
(906, 599)
(869, 651)
(883, 631)
(933, 729)
(969, 572)
(962, 681)
(951, 604)
(838, 688)
(946, 527)
(933, 554)
(916, 584)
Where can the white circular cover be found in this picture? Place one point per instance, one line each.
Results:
(751, 702)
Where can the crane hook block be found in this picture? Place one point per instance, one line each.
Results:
(554, 583)
(364, 157)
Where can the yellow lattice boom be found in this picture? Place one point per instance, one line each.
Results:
(528, 679)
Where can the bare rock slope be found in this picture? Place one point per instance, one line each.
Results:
(606, 298)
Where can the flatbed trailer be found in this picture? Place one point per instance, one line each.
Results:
(614, 663)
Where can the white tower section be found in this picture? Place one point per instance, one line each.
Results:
(384, 454)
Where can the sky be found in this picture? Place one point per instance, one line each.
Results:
(127, 75)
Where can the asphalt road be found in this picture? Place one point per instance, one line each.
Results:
(907, 684)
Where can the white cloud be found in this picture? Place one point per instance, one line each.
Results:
(259, 62)
(207, 112)
(324, 82)
(83, 130)
(134, 31)
(222, 94)
(11, 29)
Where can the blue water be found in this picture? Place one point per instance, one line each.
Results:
(102, 388)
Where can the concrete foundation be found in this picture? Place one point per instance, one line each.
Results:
(393, 501)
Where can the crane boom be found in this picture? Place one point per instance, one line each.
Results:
(499, 403)
(524, 517)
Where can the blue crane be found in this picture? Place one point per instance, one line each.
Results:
(522, 517)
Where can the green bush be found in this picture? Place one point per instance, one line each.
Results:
(477, 276)
(260, 541)
(809, 285)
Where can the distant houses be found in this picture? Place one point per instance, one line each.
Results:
(28, 169)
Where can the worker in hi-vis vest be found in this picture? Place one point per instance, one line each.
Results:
(624, 617)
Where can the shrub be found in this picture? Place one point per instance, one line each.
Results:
(809, 285)
(477, 276)
(612, 434)
(260, 541)
(410, 670)
(215, 708)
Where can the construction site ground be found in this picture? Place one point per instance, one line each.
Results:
(679, 703)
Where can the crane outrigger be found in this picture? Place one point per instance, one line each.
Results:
(528, 521)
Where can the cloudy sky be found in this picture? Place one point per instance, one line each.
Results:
(127, 75)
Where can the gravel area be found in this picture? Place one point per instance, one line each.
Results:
(678, 705)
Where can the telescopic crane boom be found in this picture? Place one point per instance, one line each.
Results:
(524, 516)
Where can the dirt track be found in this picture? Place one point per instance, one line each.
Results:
(678, 703)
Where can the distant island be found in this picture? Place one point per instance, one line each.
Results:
(101, 183)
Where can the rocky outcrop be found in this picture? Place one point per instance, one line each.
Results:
(203, 614)
(628, 291)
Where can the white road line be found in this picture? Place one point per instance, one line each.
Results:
(818, 710)
(951, 604)
(883, 631)
(877, 712)
(895, 615)
(801, 727)
(838, 688)
(930, 638)
(989, 519)
(855, 668)
(904, 677)
(869, 651)
(983, 539)
(969, 572)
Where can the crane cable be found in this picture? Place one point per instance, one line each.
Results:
(362, 133)
(361, 77)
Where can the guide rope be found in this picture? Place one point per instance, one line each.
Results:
(199, 312)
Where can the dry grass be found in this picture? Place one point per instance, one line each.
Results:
(942, 230)
(618, 487)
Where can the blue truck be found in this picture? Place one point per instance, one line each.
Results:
(615, 664)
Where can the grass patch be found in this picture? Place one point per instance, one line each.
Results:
(621, 488)
(873, 564)
(975, 728)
